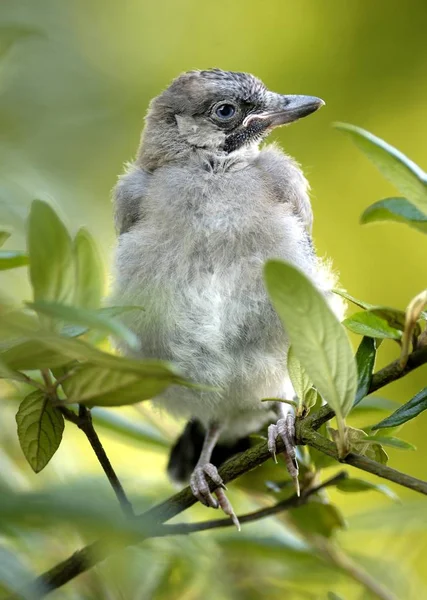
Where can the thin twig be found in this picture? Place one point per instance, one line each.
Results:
(292, 502)
(84, 422)
(317, 441)
(86, 425)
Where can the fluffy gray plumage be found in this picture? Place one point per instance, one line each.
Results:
(198, 213)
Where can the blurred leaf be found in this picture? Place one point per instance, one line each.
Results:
(402, 172)
(353, 484)
(137, 431)
(31, 354)
(4, 236)
(406, 412)
(98, 386)
(51, 260)
(11, 259)
(11, 34)
(317, 337)
(107, 311)
(391, 441)
(333, 596)
(40, 427)
(373, 403)
(395, 209)
(365, 360)
(13, 573)
(368, 324)
(89, 287)
(299, 379)
(317, 517)
(91, 319)
(18, 323)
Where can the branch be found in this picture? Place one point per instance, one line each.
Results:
(89, 556)
(86, 558)
(84, 422)
(292, 502)
(317, 441)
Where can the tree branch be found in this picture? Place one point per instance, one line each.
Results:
(317, 441)
(86, 558)
(292, 502)
(306, 434)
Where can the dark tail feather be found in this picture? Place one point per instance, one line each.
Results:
(186, 451)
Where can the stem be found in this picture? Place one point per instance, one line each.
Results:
(317, 441)
(84, 422)
(86, 425)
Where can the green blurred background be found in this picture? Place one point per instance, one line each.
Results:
(75, 81)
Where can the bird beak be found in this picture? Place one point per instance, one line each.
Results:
(285, 109)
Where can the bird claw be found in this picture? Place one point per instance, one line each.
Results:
(200, 487)
(285, 428)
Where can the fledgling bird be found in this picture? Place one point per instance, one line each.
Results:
(197, 214)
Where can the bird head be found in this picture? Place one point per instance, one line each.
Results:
(219, 111)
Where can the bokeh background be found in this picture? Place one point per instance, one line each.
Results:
(75, 81)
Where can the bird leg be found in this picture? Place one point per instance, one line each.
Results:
(285, 428)
(203, 469)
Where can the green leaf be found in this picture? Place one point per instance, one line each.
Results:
(356, 301)
(358, 442)
(40, 427)
(403, 173)
(11, 259)
(90, 319)
(393, 442)
(368, 324)
(365, 360)
(399, 210)
(89, 287)
(317, 517)
(317, 337)
(98, 386)
(299, 379)
(51, 260)
(353, 484)
(30, 354)
(406, 412)
(394, 316)
(4, 236)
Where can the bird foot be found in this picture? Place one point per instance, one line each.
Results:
(200, 487)
(285, 429)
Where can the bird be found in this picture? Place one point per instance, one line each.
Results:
(198, 212)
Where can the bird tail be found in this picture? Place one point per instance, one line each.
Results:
(186, 451)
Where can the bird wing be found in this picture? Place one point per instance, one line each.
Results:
(286, 182)
(128, 197)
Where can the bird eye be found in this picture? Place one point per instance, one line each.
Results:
(225, 111)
